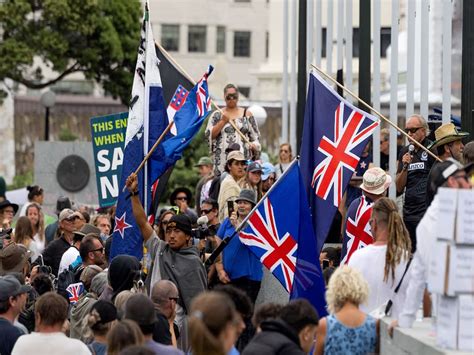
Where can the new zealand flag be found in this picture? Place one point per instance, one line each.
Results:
(334, 136)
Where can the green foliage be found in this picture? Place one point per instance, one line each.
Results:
(96, 37)
(65, 135)
(20, 181)
(184, 173)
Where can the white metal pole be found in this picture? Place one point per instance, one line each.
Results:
(447, 31)
(329, 38)
(284, 101)
(340, 33)
(318, 30)
(424, 60)
(410, 104)
(376, 76)
(309, 34)
(293, 84)
(348, 82)
(393, 93)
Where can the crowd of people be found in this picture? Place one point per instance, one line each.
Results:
(61, 292)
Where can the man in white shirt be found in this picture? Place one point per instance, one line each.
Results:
(448, 174)
(50, 312)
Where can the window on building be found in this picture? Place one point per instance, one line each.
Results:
(170, 37)
(245, 90)
(197, 38)
(267, 44)
(220, 39)
(242, 44)
(385, 40)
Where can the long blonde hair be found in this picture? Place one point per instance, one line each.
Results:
(386, 213)
(39, 227)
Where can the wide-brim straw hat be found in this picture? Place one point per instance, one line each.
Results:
(447, 133)
(375, 181)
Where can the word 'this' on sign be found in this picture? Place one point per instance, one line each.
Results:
(108, 139)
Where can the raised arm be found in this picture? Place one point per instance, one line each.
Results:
(138, 211)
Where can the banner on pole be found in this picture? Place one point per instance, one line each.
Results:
(108, 139)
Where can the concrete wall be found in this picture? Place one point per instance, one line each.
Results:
(7, 145)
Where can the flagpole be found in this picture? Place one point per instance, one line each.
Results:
(419, 145)
(210, 260)
(194, 83)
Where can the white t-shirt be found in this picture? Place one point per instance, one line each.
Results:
(39, 243)
(370, 261)
(68, 258)
(49, 344)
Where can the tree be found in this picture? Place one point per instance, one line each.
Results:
(96, 37)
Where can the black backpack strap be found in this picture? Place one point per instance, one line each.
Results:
(390, 303)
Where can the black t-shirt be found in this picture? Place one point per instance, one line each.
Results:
(8, 336)
(161, 330)
(384, 161)
(415, 190)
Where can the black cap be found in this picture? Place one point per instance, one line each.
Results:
(106, 311)
(181, 222)
(442, 171)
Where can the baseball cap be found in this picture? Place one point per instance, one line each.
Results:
(68, 214)
(11, 287)
(254, 167)
(440, 172)
(268, 169)
(204, 161)
(236, 155)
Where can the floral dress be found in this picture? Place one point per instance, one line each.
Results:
(246, 124)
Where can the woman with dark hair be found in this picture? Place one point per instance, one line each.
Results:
(221, 130)
(163, 220)
(24, 236)
(124, 334)
(36, 217)
(212, 324)
(35, 194)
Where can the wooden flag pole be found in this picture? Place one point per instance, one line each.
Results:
(170, 58)
(419, 145)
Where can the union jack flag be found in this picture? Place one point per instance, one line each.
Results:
(335, 134)
(280, 234)
(74, 291)
(203, 99)
(357, 232)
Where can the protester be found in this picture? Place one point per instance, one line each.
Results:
(36, 218)
(91, 250)
(448, 174)
(123, 271)
(35, 195)
(121, 300)
(468, 153)
(14, 259)
(357, 233)
(449, 145)
(384, 262)
(347, 330)
(203, 186)
(124, 334)
(102, 221)
(329, 260)
(253, 179)
(412, 174)
(265, 312)
(212, 324)
(239, 266)
(293, 333)
(7, 212)
(54, 251)
(182, 197)
(50, 313)
(12, 300)
(176, 260)
(230, 189)
(285, 157)
(24, 236)
(100, 320)
(353, 190)
(165, 296)
(384, 149)
(52, 231)
(210, 209)
(220, 132)
(268, 177)
(140, 309)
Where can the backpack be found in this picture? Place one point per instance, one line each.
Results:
(67, 277)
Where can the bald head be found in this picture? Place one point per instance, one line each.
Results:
(162, 291)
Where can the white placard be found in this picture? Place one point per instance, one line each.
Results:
(437, 268)
(461, 270)
(447, 322)
(466, 323)
(465, 217)
(447, 202)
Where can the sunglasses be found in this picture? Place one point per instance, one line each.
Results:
(176, 299)
(206, 211)
(182, 198)
(412, 130)
(284, 151)
(232, 97)
(99, 249)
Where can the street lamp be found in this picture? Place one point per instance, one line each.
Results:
(47, 100)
